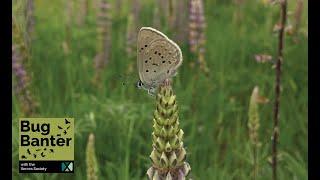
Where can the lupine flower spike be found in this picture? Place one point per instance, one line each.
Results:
(91, 160)
(238, 13)
(136, 7)
(118, 6)
(22, 82)
(83, 11)
(181, 21)
(104, 38)
(156, 17)
(132, 30)
(253, 125)
(197, 37)
(68, 26)
(20, 57)
(168, 155)
(131, 35)
(172, 13)
(298, 16)
(30, 19)
(132, 27)
(131, 41)
(263, 58)
(163, 6)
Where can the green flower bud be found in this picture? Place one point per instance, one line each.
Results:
(168, 155)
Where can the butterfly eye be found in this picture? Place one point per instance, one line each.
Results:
(139, 84)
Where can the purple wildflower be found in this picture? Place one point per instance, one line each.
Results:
(104, 39)
(131, 35)
(22, 80)
(104, 30)
(19, 71)
(83, 11)
(197, 25)
(298, 15)
(197, 38)
(132, 27)
(136, 7)
(263, 58)
(181, 21)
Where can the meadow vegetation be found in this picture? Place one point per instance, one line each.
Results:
(213, 88)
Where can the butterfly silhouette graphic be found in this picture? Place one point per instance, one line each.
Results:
(67, 122)
(42, 154)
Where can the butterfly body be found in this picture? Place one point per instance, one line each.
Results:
(158, 58)
(151, 88)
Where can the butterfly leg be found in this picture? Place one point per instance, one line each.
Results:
(152, 91)
(174, 73)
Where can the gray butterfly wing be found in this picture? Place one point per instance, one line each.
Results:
(159, 58)
(164, 59)
(145, 37)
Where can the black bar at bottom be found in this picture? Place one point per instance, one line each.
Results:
(46, 166)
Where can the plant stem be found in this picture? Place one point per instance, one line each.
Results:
(255, 164)
(172, 15)
(283, 6)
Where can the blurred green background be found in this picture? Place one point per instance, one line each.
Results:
(213, 110)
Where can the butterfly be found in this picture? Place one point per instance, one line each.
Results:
(158, 58)
(42, 154)
(66, 121)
